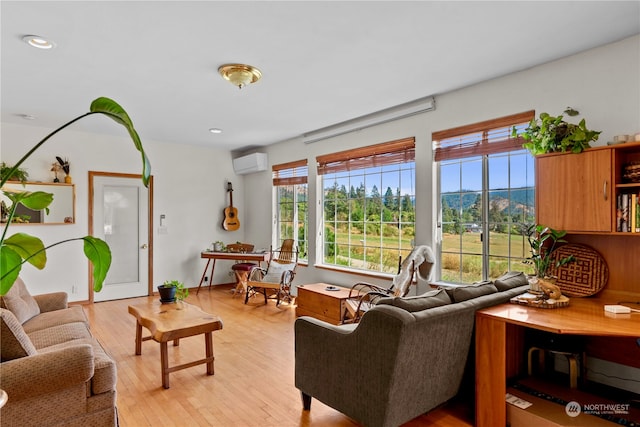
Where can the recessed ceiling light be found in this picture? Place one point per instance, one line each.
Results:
(215, 130)
(39, 42)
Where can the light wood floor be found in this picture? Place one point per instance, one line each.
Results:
(253, 381)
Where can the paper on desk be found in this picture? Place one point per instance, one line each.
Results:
(516, 401)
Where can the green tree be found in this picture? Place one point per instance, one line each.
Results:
(497, 218)
(390, 202)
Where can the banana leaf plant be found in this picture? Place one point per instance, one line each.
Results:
(19, 248)
(543, 241)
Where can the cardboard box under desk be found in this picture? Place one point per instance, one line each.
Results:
(543, 413)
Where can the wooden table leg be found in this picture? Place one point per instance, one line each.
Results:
(164, 362)
(491, 378)
(208, 344)
(204, 274)
(138, 338)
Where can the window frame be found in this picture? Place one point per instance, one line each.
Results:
(295, 175)
(387, 158)
(473, 143)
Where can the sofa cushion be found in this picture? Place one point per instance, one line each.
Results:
(464, 293)
(14, 341)
(105, 373)
(435, 298)
(20, 302)
(510, 280)
(59, 334)
(45, 320)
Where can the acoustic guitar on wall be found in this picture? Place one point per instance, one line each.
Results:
(231, 221)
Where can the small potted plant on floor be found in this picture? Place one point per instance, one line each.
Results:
(172, 291)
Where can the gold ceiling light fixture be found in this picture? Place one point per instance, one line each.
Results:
(240, 74)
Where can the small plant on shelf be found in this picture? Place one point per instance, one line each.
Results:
(550, 134)
(13, 174)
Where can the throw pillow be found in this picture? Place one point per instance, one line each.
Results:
(20, 302)
(431, 299)
(274, 273)
(14, 342)
(510, 280)
(464, 293)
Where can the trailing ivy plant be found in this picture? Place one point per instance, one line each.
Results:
(550, 134)
(19, 248)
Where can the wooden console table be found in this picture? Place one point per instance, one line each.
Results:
(258, 257)
(499, 342)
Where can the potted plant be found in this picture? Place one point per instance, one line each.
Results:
(543, 241)
(19, 248)
(12, 173)
(172, 291)
(550, 134)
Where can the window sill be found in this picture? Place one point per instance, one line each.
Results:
(371, 274)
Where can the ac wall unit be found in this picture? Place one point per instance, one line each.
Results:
(256, 162)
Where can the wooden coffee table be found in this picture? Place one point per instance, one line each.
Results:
(170, 322)
(316, 301)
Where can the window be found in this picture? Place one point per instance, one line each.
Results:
(290, 185)
(369, 206)
(486, 199)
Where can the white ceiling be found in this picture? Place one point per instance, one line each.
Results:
(322, 62)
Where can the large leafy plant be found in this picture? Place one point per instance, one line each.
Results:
(550, 134)
(543, 241)
(19, 248)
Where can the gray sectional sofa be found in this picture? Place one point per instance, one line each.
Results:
(405, 357)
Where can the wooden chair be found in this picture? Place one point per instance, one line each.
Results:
(363, 296)
(241, 268)
(275, 281)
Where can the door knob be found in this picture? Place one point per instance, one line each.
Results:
(145, 246)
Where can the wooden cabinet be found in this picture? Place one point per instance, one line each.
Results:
(316, 301)
(578, 192)
(573, 191)
(572, 194)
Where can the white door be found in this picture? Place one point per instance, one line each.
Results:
(121, 218)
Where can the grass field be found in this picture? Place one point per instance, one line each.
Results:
(501, 247)
(457, 250)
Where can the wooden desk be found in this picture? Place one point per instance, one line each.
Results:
(499, 340)
(232, 256)
(169, 322)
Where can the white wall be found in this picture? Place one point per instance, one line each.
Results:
(190, 182)
(602, 83)
(189, 188)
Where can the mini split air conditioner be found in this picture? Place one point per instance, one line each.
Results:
(251, 163)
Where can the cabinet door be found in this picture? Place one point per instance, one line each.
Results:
(573, 191)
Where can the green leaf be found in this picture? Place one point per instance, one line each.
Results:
(98, 252)
(29, 248)
(36, 200)
(10, 265)
(112, 109)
